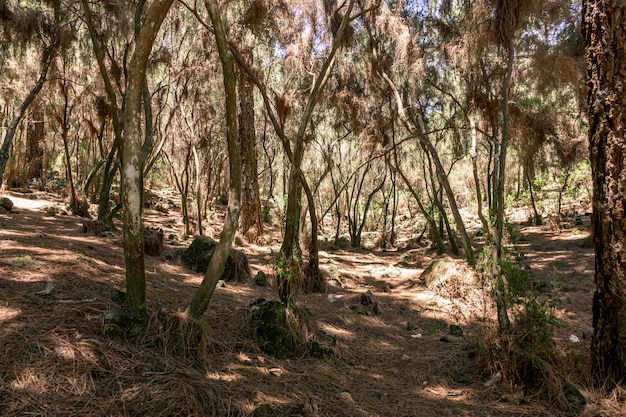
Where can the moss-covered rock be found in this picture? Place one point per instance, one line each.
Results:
(271, 329)
(261, 279)
(6, 203)
(199, 254)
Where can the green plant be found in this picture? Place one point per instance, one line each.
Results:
(23, 260)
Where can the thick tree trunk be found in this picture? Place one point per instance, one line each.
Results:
(132, 167)
(251, 214)
(604, 27)
(201, 299)
(35, 136)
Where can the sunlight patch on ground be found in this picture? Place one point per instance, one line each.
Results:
(30, 381)
(337, 331)
(8, 313)
(224, 377)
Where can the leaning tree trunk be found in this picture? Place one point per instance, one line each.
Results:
(200, 301)
(48, 57)
(132, 167)
(604, 27)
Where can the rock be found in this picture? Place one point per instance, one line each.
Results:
(199, 254)
(6, 203)
(410, 326)
(3, 210)
(456, 330)
(272, 333)
(261, 279)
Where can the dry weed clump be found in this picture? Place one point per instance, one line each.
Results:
(180, 335)
(528, 357)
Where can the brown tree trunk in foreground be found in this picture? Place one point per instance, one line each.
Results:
(132, 167)
(604, 28)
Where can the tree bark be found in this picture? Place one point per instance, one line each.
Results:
(35, 136)
(201, 299)
(132, 166)
(251, 214)
(604, 28)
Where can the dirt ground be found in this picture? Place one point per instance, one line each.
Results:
(57, 283)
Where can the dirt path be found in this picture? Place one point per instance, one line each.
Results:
(57, 361)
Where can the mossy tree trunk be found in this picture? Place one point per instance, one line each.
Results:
(604, 28)
(201, 299)
(132, 166)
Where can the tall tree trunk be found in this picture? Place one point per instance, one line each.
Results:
(604, 28)
(251, 214)
(132, 167)
(500, 283)
(201, 299)
(48, 57)
(35, 136)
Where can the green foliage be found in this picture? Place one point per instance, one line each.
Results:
(517, 278)
(52, 182)
(23, 261)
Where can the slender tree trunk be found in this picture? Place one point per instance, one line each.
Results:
(48, 57)
(201, 299)
(479, 198)
(198, 184)
(500, 283)
(604, 28)
(132, 167)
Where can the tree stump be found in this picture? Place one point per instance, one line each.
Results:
(95, 227)
(153, 241)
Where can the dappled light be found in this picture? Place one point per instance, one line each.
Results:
(311, 208)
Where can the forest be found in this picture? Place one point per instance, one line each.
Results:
(312, 208)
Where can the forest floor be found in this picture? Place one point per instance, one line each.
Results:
(57, 283)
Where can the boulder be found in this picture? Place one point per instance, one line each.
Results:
(272, 333)
(6, 203)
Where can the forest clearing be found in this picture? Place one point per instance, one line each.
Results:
(400, 362)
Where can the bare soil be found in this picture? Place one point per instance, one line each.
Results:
(57, 361)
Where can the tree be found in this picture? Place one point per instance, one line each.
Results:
(214, 271)
(132, 165)
(604, 28)
(23, 22)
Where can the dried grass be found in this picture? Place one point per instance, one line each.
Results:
(57, 360)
